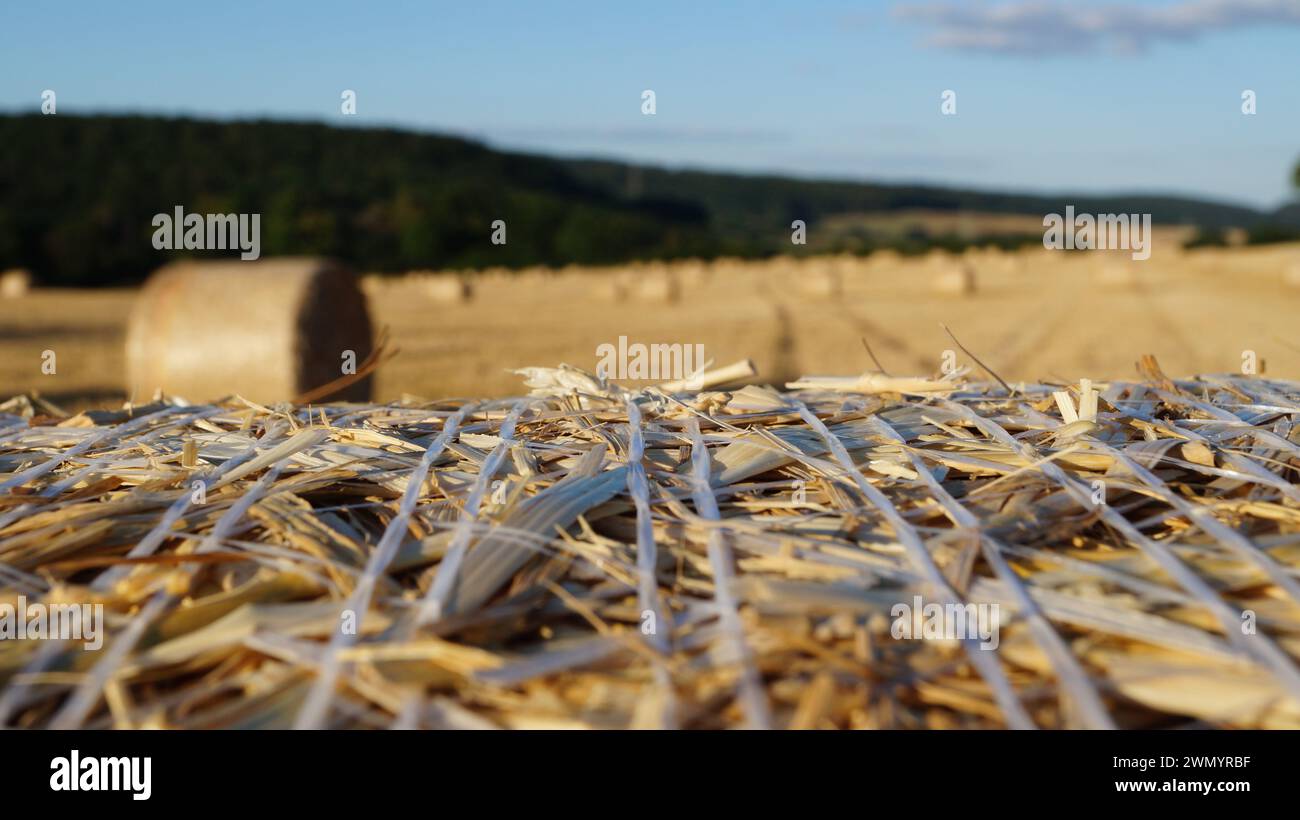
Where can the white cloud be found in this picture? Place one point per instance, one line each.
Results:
(1040, 28)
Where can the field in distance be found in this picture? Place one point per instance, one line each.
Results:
(1028, 314)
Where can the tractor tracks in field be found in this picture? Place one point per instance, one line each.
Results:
(1161, 319)
(784, 359)
(885, 342)
(1028, 337)
(785, 356)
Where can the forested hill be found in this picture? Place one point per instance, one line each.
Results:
(78, 195)
(746, 206)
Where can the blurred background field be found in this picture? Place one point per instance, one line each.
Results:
(1032, 314)
(600, 249)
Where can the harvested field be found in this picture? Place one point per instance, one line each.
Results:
(1034, 314)
(586, 556)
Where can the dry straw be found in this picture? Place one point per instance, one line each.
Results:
(954, 279)
(267, 331)
(587, 556)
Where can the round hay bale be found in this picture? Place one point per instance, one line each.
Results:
(940, 259)
(1116, 274)
(15, 283)
(693, 273)
(448, 289)
(268, 331)
(612, 287)
(729, 266)
(820, 282)
(1291, 275)
(373, 284)
(955, 280)
(657, 287)
(885, 258)
(842, 264)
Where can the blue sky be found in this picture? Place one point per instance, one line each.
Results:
(1054, 98)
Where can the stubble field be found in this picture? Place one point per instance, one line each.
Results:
(1033, 314)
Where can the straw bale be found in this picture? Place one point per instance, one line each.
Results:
(954, 279)
(656, 287)
(885, 258)
(1291, 274)
(267, 330)
(588, 556)
(15, 283)
(692, 273)
(1117, 273)
(612, 286)
(820, 282)
(448, 289)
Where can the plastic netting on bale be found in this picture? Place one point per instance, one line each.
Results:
(954, 555)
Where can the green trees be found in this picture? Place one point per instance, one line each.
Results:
(77, 195)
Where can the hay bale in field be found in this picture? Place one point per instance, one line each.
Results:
(612, 287)
(535, 276)
(15, 283)
(1291, 275)
(534, 279)
(728, 266)
(820, 282)
(492, 281)
(939, 259)
(692, 273)
(885, 258)
(1117, 274)
(954, 280)
(448, 289)
(849, 266)
(659, 287)
(268, 331)
(373, 284)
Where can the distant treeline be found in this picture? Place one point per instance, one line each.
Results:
(745, 207)
(1264, 233)
(78, 196)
